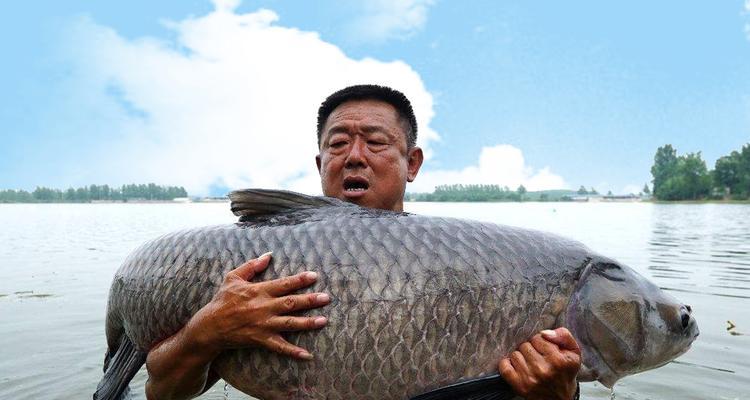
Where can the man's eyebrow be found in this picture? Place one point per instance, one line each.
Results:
(337, 129)
(373, 128)
(365, 128)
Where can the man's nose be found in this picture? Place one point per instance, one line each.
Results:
(356, 157)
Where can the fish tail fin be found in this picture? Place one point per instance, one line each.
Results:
(119, 369)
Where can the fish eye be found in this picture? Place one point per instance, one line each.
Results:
(685, 316)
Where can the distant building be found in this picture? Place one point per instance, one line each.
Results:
(625, 197)
(224, 199)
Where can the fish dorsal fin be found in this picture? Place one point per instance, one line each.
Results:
(491, 387)
(257, 202)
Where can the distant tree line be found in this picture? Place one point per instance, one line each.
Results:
(90, 193)
(582, 191)
(686, 177)
(460, 192)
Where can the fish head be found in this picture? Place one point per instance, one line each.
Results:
(625, 324)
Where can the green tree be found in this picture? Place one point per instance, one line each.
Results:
(727, 172)
(94, 192)
(743, 186)
(697, 181)
(70, 195)
(521, 192)
(46, 195)
(82, 195)
(665, 164)
(457, 192)
(16, 196)
(582, 190)
(646, 190)
(686, 178)
(731, 173)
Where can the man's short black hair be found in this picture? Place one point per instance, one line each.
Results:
(372, 92)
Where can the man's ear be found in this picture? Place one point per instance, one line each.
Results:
(415, 157)
(317, 162)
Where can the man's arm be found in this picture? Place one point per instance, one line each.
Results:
(241, 314)
(545, 367)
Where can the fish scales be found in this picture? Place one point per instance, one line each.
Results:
(417, 302)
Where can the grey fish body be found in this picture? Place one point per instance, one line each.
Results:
(417, 302)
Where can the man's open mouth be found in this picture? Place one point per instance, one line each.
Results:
(355, 184)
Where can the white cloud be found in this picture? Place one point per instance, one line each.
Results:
(232, 101)
(502, 164)
(387, 19)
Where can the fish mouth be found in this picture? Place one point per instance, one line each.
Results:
(355, 186)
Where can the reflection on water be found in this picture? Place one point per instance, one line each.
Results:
(57, 261)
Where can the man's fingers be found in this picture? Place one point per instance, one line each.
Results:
(543, 346)
(515, 371)
(289, 324)
(563, 339)
(248, 270)
(508, 373)
(298, 302)
(286, 285)
(530, 355)
(519, 364)
(280, 345)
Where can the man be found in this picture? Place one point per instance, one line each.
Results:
(367, 152)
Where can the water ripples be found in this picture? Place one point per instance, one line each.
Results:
(701, 248)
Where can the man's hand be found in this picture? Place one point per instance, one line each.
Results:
(241, 314)
(545, 367)
(244, 313)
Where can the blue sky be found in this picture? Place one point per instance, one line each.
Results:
(547, 94)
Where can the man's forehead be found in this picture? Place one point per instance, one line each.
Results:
(375, 111)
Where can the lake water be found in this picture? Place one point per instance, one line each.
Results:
(57, 261)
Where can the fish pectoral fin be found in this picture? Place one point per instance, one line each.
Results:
(491, 387)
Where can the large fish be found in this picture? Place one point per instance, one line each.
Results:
(419, 304)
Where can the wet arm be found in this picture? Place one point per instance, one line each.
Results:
(179, 368)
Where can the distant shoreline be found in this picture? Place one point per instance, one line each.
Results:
(698, 201)
(598, 202)
(121, 202)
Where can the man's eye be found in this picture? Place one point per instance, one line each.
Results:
(338, 143)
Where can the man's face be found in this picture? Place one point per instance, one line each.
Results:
(363, 155)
